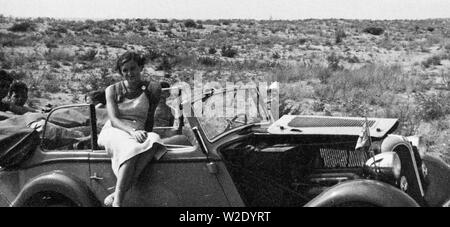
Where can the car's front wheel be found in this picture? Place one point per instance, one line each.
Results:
(355, 204)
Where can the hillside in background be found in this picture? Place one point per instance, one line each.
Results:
(396, 69)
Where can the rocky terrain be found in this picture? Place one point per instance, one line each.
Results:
(396, 68)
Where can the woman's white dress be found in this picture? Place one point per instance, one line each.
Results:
(121, 145)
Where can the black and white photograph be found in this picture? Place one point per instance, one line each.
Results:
(224, 104)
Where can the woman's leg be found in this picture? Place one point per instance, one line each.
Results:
(142, 160)
(124, 180)
(130, 171)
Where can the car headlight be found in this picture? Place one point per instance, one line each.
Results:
(385, 165)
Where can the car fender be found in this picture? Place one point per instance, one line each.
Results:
(437, 192)
(411, 164)
(57, 182)
(367, 191)
(392, 141)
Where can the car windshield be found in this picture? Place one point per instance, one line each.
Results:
(221, 111)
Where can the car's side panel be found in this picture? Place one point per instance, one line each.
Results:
(177, 179)
(228, 184)
(9, 187)
(437, 189)
(363, 191)
(177, 184)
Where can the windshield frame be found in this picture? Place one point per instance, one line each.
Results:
(263, 111)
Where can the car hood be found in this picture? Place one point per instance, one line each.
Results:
(325, 125)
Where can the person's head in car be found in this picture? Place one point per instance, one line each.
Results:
(18, 93)
(5, 83)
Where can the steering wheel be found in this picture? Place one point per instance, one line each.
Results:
(234, 120)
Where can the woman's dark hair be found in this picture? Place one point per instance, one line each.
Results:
(128, 56)
(5, 76)
(18, 87)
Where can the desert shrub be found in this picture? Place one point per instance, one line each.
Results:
(152, 27)
(228, 51)
(406, 114)
(433, 106)
(22, 27)
(13, 40)
(212, 50)
(164, 21)
(324, 75)
(340, 35)
(60, 29)
(100, 31)
(55, 64)
(288, 74)
(49, 83)
(169, 34)
(81, 27)
(88, 55)
(373, 80)
(200, 26)
(318, 106)
(186, 60)
(433, 60)
(97, 80)
(447, 47)
(430, 29)
(51, 44)
(115, 43)
(207, 61)
(190, 24)
(166, 64)
(276, 55)
(59, 55)
(302, 41)
(333, 62)
(374, 30)
(225, 22)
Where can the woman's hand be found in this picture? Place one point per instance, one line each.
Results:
(139, 135)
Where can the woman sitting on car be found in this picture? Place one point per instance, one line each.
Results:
(127, 135)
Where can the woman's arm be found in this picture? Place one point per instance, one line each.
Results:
(113, 114)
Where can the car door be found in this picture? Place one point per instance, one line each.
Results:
(213, 126)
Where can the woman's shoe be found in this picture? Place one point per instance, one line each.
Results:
(109, 200)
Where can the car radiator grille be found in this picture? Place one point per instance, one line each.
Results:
(305, 122)
(335, 158)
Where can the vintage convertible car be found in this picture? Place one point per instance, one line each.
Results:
(244, 158)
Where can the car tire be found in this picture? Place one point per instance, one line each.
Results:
(49, 199)
(355, 204)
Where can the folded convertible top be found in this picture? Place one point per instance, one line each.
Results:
(16, 145)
